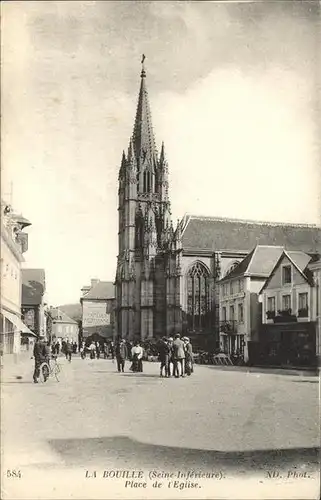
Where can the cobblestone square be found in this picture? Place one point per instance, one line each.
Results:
(239, 423)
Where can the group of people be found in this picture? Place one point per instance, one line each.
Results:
(135, 354)
(65, 346)
(94, 349)
(175, 354)
(176, 357)
(44, 350)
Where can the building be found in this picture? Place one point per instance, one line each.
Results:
(288, 332)
(33, 300)
(14, 243)
(98, 310)
(62, 326)
(240, 311)
(167, 278)
(315, 268)
(148, 248)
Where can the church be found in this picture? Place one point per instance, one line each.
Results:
(167, 277)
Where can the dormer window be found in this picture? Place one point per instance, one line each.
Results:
(286, 275)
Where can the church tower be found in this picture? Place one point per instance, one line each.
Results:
(145, 231)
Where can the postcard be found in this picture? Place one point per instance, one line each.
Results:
(160, 250)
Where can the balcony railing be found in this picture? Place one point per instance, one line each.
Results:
(228, 326)
(285, 316)
(270, 314)
(285, 312)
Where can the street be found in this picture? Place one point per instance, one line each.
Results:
(240, 424)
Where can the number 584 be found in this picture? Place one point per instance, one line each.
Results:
(13, 473)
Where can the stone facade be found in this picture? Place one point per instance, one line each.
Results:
(13, 246)
(288, 334)
(62, 326)
(148, 266)
(166, 278)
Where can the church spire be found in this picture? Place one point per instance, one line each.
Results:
(143, 135)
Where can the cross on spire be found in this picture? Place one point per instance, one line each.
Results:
(143, 73)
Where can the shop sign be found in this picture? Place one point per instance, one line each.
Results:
(94, 314)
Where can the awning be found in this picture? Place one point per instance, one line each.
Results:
(24, 330)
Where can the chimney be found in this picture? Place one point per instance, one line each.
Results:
(94, 282)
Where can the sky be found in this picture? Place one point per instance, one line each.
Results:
(234, 90)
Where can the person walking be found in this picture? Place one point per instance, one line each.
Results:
(170, 357)
(69, 349)
(164, 352)
(137, 356)
(58, 347)
(82, 350)
(121, 355)
(112, 350)
(63, 347)
(189, 362)
(92, 349)
(53, 347)
(41, 355)
(179, 356)
(97, 350)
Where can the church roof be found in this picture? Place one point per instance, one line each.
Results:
(101, 290)
(143, 135)
(218, 234)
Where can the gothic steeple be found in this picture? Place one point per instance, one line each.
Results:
(146, 297)
(143, 135)
(132, 164)
(162, 177)
(122, 170)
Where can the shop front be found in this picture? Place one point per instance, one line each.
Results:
(232, 341)
(13, 333)
(288, 344)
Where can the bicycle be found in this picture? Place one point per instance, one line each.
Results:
(49, 369)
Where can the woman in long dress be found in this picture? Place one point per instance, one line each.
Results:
(137, 357)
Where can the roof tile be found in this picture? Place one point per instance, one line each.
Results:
(102, 290)
(215, 234)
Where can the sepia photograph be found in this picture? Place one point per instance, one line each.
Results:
(160, 317)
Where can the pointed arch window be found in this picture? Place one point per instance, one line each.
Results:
(147, 182)
(138, 232)
(198, 300)
(156, 182)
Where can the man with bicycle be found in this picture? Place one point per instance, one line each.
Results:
(41, 354)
